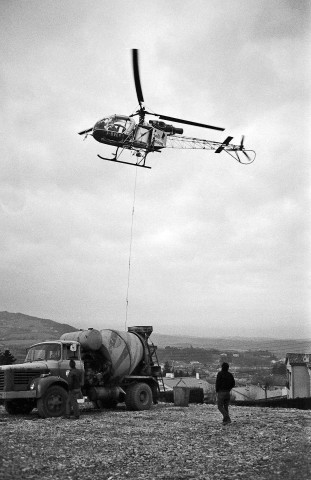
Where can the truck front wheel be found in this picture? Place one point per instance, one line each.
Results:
(53, 402)
(138, 397)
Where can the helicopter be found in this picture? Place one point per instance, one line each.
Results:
(144, 137)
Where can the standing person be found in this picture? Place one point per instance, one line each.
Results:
(224, 383)
(74, 390)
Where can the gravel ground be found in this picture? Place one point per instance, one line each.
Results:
(166, 442)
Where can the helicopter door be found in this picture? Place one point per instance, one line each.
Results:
(158, 138)
(142, 135)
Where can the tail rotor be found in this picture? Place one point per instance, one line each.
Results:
(249, 154)
(242, 142)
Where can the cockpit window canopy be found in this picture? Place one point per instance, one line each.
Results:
(116, 123)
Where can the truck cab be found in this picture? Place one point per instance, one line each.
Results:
(41, 381)
(56, 355)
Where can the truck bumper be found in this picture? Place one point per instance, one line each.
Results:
(15, 395)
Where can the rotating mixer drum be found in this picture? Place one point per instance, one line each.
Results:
(124, 350)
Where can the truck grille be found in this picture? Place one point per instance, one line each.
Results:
(17, 380)
(22, 378)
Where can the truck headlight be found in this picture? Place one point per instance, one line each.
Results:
(32, 386)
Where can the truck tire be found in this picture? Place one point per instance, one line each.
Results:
(18, 407)
(53, 402)
(138, 397)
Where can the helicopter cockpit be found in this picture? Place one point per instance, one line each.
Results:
(116, 123)
(114, 129)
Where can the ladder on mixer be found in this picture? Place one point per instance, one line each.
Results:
(154, 358)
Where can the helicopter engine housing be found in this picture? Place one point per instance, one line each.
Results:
(169, 129)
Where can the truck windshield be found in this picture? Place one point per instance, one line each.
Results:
(44, 351)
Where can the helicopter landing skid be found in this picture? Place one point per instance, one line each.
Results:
(120, 161)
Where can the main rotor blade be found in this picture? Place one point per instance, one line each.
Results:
(85, 131)
(137, 77)
(188, 122)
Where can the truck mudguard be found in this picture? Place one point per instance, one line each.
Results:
(41, 384)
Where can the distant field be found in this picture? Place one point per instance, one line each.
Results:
(18, 331)
(278, 347)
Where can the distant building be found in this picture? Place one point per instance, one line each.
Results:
(191, 382)
(298, 367)
(255, 392)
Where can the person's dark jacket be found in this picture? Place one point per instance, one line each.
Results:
(224, 381)
(74, 379)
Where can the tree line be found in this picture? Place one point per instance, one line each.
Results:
(6, 358)
(247, 358)
(177, 372)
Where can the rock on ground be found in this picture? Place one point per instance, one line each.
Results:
(166, 442)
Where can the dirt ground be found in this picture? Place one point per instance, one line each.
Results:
(166, 442)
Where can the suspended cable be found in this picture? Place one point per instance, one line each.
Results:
(130, 253)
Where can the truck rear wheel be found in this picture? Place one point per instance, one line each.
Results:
(138, 397)
(18, 407)
(53, 402)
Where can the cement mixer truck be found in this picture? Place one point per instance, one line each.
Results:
(115, 366)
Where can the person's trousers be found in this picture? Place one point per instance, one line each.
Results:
(72, 403)
(223, 400)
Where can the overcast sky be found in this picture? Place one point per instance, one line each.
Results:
(218, 248)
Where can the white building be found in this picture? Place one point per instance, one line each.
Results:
(298, 367)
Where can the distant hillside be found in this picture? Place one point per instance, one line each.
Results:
(18, 331)
(280, 347)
